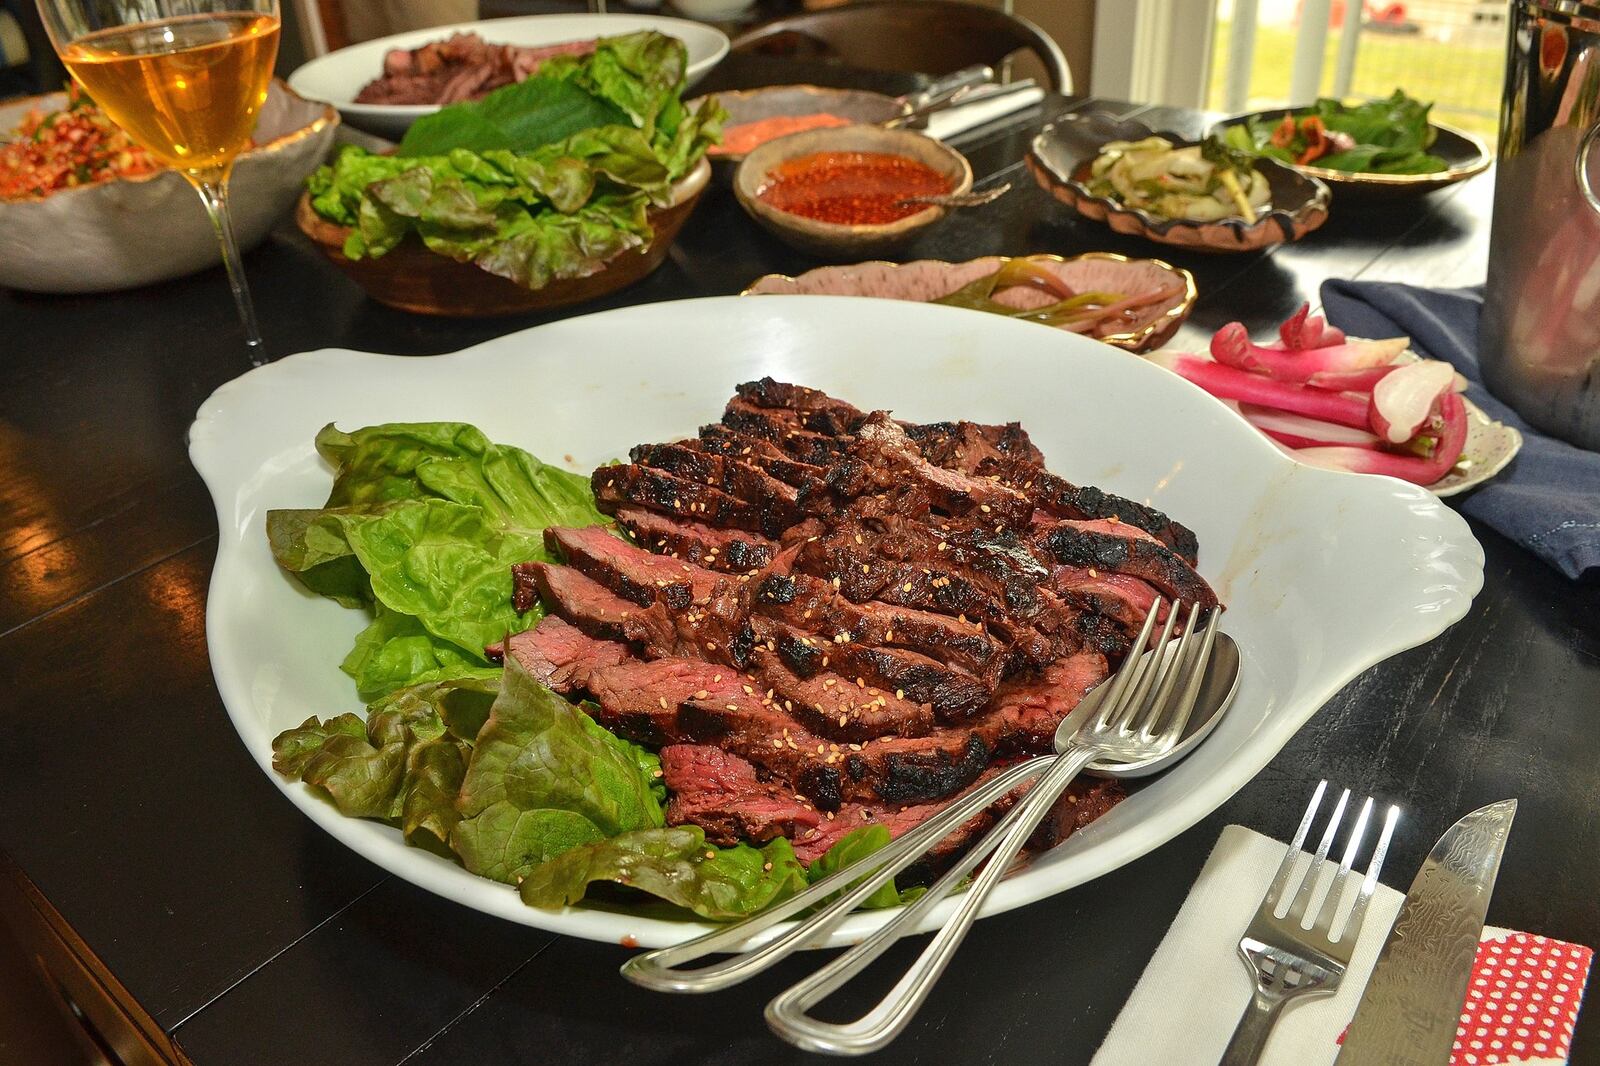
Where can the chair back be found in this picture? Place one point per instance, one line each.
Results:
(922, 36)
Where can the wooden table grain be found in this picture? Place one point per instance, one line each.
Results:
(234, 929)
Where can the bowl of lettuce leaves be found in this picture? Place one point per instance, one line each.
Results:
(558, 189)
(1384, 147)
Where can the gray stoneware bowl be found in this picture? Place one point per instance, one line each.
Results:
(838, 241)
(1061, 154)
(136, 231)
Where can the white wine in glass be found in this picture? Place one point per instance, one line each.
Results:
(186, 79)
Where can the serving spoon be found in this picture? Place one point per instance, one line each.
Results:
(959, 199)
(1185, 684)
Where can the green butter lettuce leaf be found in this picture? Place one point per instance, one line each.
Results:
(647, 761)
(853, 847)
(423, 525)
(676, 864)
(544, 778)
(516, 118)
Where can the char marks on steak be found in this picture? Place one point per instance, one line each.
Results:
(825, 611)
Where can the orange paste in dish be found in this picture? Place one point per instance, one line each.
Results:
(852, 188)
(748, 136)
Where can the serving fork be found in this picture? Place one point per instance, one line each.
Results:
(1140, 715)
(1288, 957)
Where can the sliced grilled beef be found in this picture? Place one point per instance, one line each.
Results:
(1119, 597)
(1062, 498)
(783, 429)
(619, 486)
(773, 498)
(817, 411)
(966, 446)
(630, 571)
(1092, 544)
(837, 708)
(604, 615)
(721, 793)
(560, 656)
(718, 439)
(1027, 709)
(953, 693)
(731, 551)
(883, 457)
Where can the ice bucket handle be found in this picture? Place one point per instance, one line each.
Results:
(1581, 162)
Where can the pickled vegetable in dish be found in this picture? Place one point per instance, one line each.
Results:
(851, 188)
(1205, 182)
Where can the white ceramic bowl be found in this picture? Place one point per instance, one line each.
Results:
(122, 234)
(1324, 574)
(338, 76)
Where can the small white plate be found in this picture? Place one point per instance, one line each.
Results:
(338, 76)
(1324, 574)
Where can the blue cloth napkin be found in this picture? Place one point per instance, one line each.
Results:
(1548, 499)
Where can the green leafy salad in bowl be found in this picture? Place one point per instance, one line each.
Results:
(473, 761)
(544, 180)
(1388, 136)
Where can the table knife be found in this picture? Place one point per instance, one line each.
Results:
(1411, 1006)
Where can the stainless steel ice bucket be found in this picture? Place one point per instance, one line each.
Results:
(1539, 340)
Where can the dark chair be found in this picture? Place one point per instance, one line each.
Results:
(921, 36)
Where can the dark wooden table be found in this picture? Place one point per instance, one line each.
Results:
(222, 922)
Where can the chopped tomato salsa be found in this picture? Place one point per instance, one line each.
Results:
(78, 145)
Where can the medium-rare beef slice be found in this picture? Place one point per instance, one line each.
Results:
(728, 550)
(718, 439)
(744, 481)
(629, 570)
(1086, 799)
(628, 483)
(812, 844)
(817, 411)
(1063, 499)
(783, 429)
(1027, 709)
(951, 692)
(883, 457)
(682, 701)
(722, 794)
(1122, 553)
(810, 603)
(1124, 599)
(837, 708)
(560, 656)
(965, 446)
(601, 613)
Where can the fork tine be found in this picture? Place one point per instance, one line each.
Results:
(1185, 662)
(1292, 852)
(1158, 663)
(1308, 884)
(1111, 703)
(1196, 677)
(1352, 924)
(1330, 906)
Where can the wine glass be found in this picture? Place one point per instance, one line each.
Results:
(184, 78)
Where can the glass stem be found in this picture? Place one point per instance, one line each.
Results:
(212, 186)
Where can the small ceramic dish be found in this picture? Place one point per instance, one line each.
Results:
(1062, 153)
(836, 240)
(411, 278)
(927, 280)
(137, 231)
(752, 105)
(1465, 154)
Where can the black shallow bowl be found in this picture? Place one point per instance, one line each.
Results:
(1061, 154)
(1463, 153)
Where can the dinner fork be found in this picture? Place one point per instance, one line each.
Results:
(1141, 714)
(1289, 958)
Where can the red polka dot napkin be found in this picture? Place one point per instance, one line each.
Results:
(1522, 1002)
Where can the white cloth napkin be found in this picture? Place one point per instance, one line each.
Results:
(1192, 993)
(942, 125)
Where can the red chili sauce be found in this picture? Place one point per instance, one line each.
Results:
(851, 188)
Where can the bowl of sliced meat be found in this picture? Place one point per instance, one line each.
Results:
(383, 86)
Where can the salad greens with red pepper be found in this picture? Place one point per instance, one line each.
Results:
(1388, 136)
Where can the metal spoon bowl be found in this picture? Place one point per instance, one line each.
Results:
(1217, 689)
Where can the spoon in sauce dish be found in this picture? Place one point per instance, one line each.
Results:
(960, 199)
